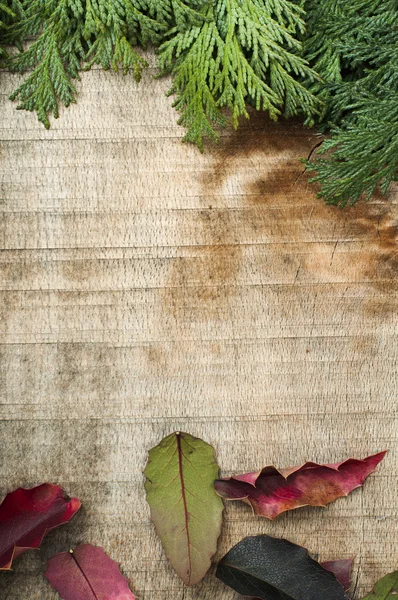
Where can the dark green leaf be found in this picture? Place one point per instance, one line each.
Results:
(385, 589)
(275, 569)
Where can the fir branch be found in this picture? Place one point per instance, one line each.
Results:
(353, 47)
(244, 52)
(191, 57)
(48, 83)
(361, 96)
(185, 16)
(5, 12)
(177, 13)
(224, 54)
(76, 34)
(50, 80)
(321, 40)
(364, 155)
(10, 10)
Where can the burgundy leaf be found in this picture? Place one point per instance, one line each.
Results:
(341, 570)
(272, 491)
(87, 573)
(27, 514)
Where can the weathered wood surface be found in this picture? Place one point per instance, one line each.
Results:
(147, 288)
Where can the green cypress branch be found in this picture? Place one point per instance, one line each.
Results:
(226, 54)
(10, 11)
(361, 93)
(244, 52)
(74, 35)
(223, 54)
(193, 57)
(363, 154)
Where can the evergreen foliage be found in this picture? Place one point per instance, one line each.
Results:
(9, 11)
(75, 34)
(244, 51)
(354, 47)
(222, 53)
(333, 62)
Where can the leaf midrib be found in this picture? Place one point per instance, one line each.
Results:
(83, 574)
(184, 499)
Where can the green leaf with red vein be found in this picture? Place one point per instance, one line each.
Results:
(385, 589)
(185, 509)
(269, 568)
(272, 491)
(27, 514)
(87, 573)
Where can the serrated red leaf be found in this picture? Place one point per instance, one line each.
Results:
(27, 514)
(341, 569)
(87, 573)
(272, 491)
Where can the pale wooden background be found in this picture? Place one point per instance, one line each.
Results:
(148, 288)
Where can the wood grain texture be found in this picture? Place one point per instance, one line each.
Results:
(146, 288)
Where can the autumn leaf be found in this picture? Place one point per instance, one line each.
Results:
(385, 589)
(274, 569)
(185, 509)
(26, 515)
(87, 573)
(272, 491)
(341, 570)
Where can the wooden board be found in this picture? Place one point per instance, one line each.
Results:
(147, 288)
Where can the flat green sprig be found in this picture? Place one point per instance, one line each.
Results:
(332, 62)
(244, 52)
(360, 95)
(223, 54)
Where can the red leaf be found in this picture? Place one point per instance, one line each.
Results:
(87, 573)
(27, 514)
(272, 491)
(341, 569)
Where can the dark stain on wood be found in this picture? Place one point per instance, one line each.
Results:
(260, 164)
(382, 270)
(156, 358)
(79, 270)
(99, 377)
(256, 136)
(202, 280)
(69, 368)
